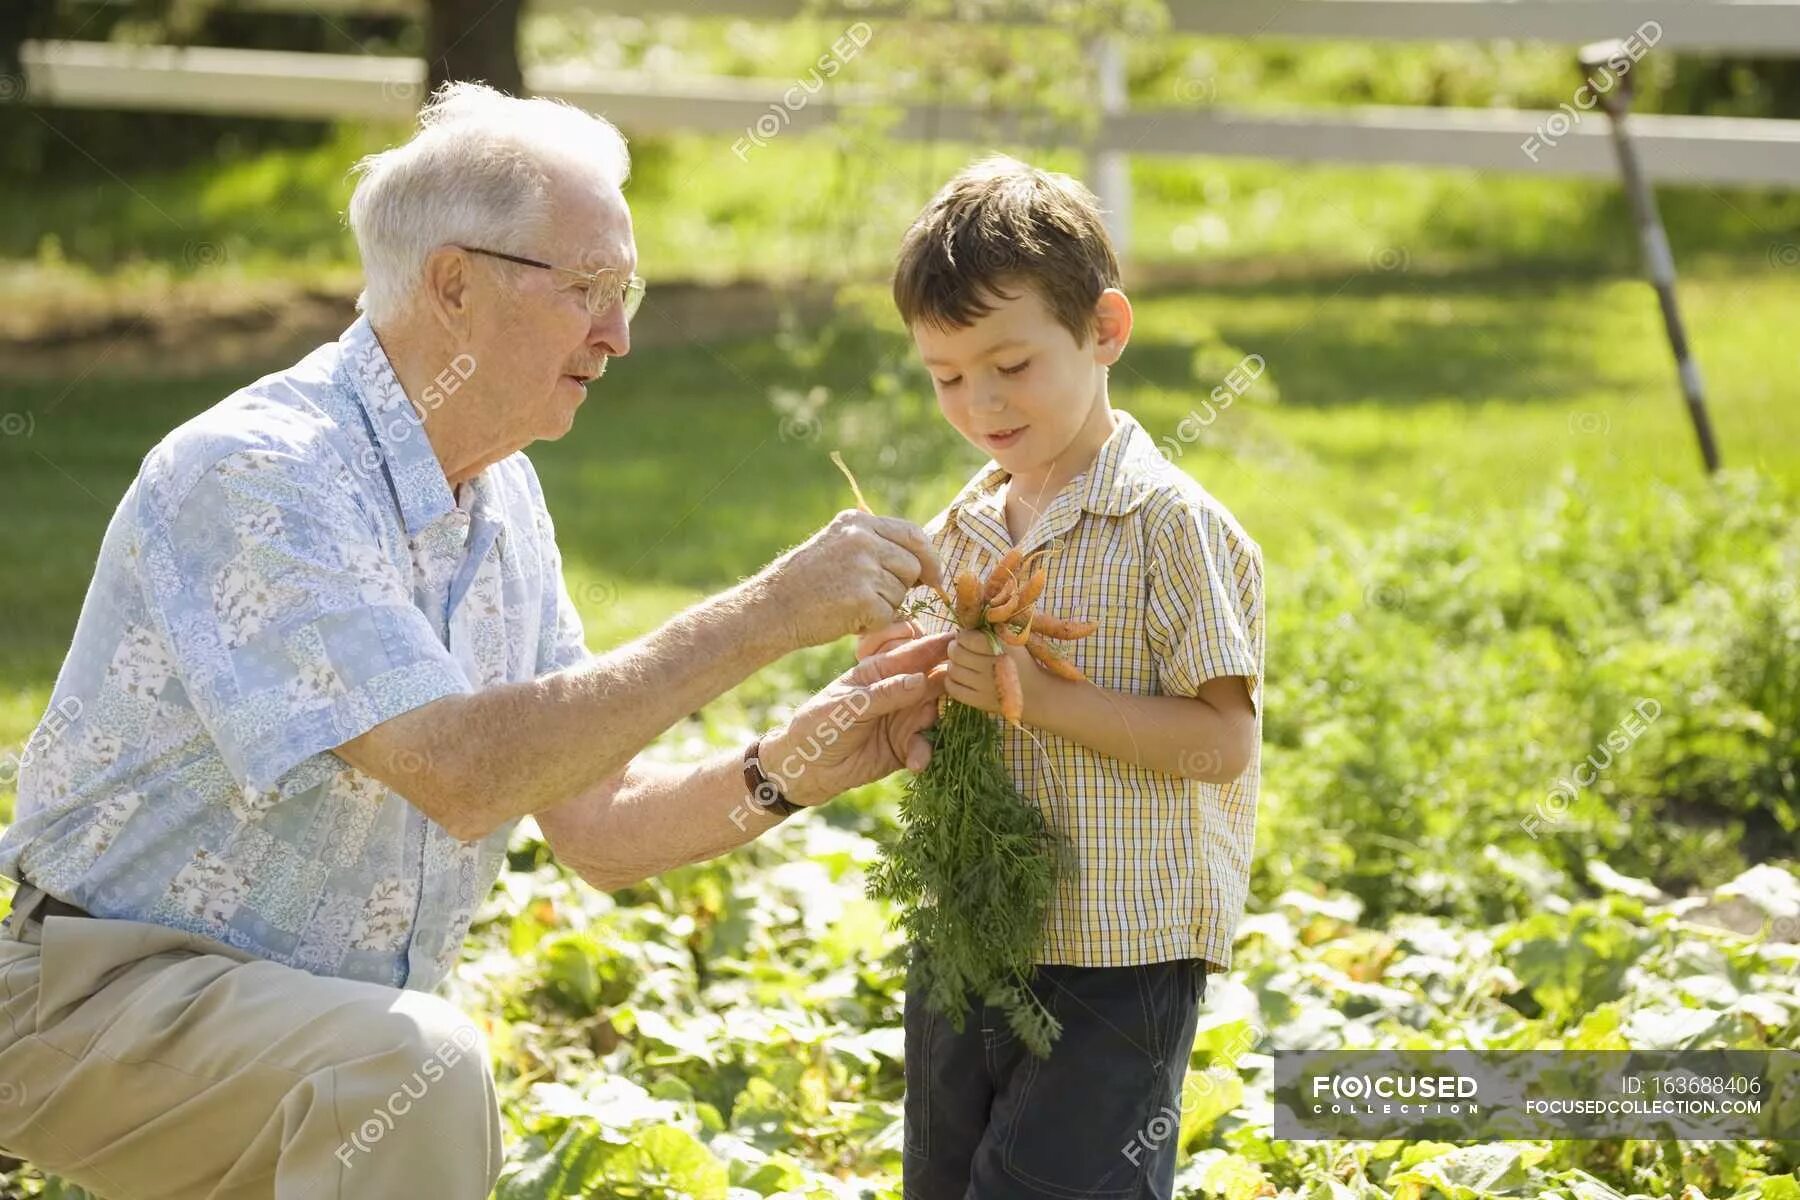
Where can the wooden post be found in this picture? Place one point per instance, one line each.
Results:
(1112, 168)
(1659, 261)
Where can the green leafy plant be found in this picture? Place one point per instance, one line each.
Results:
(972, 875)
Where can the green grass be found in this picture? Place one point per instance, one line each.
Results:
(832, 206)
(1398, 393)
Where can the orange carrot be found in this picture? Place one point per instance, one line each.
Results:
(1002, 597)
(1024, 598)
(1012, 696)
(1003, 571)
(1055, 663)
(1063, 630)
(1034, 587)
(1010, 635)
(968, 599)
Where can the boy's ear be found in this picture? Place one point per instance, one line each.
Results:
(1112, 326)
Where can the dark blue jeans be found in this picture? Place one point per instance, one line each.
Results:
(1097, 1120)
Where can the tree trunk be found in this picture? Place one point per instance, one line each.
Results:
(475, 40)
(19, 20)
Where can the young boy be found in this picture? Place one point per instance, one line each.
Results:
(1010, 288)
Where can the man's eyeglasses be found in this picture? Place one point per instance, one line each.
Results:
(605, 288)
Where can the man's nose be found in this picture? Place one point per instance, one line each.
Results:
(610, 333)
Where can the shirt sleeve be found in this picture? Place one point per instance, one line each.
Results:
(1204, 614)
(288, 627)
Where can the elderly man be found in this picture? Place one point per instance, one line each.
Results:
(327, 663)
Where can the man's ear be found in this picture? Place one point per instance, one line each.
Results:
(1112, 326)
(448, 285)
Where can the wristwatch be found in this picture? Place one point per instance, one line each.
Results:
(765, 793)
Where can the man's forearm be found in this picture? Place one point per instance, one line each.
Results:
(473, 762)
(529, 746)
(652, 818)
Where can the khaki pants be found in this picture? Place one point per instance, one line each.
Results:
(139, 1061)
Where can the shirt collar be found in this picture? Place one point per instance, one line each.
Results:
(1119, 479)
(420, 487)
(1112, 486)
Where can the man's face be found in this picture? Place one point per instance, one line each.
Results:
(534, 326)
(1015, 383)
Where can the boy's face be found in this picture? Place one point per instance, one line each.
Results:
(1016, 383)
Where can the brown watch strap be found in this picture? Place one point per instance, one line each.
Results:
(765, 793)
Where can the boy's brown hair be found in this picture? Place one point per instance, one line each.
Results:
(1002, 221)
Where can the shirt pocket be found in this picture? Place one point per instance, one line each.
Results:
(1107, 586)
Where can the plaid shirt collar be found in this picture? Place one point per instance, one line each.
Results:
(1116, 483)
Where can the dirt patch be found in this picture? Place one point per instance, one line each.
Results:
(57, 328)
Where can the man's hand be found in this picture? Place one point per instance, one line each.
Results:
(865, 725)
(896, 633)
(850, 577)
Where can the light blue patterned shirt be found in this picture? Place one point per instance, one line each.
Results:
(288, 570)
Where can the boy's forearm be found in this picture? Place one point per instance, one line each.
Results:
(1176, 735)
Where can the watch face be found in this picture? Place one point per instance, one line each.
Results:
(767, 794)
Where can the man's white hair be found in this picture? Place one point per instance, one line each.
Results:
(478, 172)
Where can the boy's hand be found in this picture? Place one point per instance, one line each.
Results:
(886, 638)
(971, 677)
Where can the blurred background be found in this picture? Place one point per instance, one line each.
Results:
(1494, 542)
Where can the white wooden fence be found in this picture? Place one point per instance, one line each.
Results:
(1674, 148)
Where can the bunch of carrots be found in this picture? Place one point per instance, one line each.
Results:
(1005, 605)
(976, 864)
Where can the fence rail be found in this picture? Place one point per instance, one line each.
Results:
(279, 83)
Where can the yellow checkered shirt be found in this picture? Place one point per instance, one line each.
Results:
(1161, 864)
